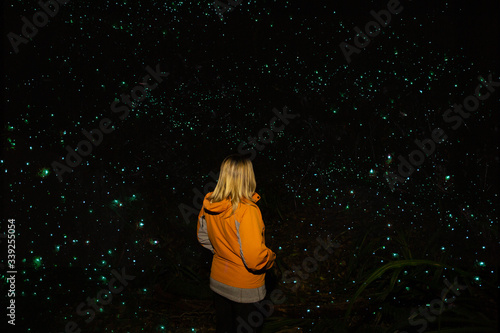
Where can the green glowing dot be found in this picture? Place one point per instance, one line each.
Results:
(37, 262)
(43, 172)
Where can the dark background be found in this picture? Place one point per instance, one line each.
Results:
(323, 175)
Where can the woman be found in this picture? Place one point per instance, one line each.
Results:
(230, 225)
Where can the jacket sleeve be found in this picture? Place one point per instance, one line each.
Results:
(253, 250)
(202, 232)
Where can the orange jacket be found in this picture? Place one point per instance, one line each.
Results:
(237, 242)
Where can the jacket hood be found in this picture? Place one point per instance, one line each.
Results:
(223, 207)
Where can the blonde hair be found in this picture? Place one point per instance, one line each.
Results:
(236, 181)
